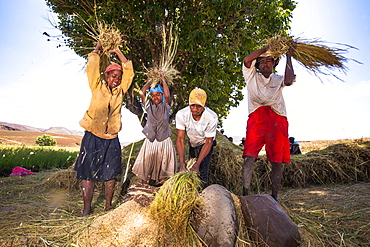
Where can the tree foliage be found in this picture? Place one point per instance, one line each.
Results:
(214, 37)
(45, 140)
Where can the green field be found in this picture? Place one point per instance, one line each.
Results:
(35, 158)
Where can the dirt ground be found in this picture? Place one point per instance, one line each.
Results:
(32, 214)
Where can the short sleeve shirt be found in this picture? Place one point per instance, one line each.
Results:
(264, 91)
(197, 131)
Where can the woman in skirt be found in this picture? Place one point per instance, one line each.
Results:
(100, 154)
(156, 160)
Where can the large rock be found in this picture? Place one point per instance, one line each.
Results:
(216, 221)
(268, 223)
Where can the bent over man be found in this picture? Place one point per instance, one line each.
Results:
(200, 123)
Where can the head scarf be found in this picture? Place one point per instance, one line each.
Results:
(158, 89)
(113, 66)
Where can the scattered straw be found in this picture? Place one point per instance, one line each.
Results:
(174, 204)
(32, 214)
(331, 215)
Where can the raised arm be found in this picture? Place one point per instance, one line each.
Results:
(248, 59)
(143, 92)
(120, 55)
(127, 69)
(289, 76)
(98, 47)
(166, 91)
(92, 67)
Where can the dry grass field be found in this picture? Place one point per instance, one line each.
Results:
(28, 138)
(44, 209)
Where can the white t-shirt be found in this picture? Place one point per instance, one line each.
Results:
(197, 131)
(264, 91)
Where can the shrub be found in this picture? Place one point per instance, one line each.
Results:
(45, 140)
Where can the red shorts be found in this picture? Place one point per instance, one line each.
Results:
(265, 127)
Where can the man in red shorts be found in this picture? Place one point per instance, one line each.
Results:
(267, 122)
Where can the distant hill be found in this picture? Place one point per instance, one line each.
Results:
(62, 130)
(56, 130)
(18, 127)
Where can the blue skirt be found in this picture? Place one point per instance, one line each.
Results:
(99, 159)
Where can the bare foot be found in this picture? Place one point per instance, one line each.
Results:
(85, 213)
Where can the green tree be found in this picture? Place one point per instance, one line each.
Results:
(214, 36)
(45, 140)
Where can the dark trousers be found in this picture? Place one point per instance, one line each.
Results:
(204, 165)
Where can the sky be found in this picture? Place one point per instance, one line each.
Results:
(44, 86)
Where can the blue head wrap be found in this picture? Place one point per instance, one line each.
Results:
(158, 89)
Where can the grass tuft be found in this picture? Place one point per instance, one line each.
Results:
(174, 204)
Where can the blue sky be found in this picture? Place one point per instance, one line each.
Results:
(44, 86)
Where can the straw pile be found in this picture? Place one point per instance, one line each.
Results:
(174, 204)
(128, 225)
(314, 55)
(63, 179)
(225, 168)
(165, 64)
(338, 163)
